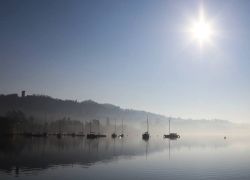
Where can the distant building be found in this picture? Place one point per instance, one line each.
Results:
(23, 93)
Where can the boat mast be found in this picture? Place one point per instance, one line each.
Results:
(169, 125)
(122, 126)
(82, 126)
(147, 124)
(85, 126)
(90, 127)
(115, 126)
(99, 127)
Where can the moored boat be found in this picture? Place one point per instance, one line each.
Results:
(114, 135)
(145, 136)
(171, 135)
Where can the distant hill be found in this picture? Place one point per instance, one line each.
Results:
(45, 108)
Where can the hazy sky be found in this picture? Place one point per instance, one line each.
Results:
(135, 54)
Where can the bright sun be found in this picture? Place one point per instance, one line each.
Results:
(201, 29)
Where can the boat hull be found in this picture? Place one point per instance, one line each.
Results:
(113, 135)
(145, 136)
(91, 136)
(171, 136)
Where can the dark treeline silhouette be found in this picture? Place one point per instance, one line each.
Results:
(16, 122)
(13, 121)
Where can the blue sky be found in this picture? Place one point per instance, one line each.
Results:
(135, 54)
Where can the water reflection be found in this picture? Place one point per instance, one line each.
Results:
(30, 155)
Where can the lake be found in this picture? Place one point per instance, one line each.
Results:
(190, 157)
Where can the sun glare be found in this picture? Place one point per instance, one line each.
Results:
(201, 29)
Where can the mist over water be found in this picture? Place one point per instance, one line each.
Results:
(190, 157)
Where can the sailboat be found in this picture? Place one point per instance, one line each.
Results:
(121, 135)
(145, 135)
(114, 135)
(81, 134)
(99, 135)
(91, 134)
(171, 135)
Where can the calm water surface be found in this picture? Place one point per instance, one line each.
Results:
(128, 158)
